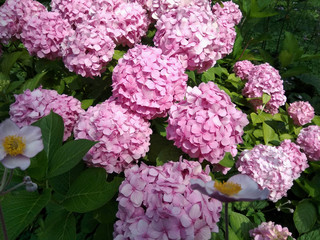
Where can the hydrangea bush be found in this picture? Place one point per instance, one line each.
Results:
(138, 119)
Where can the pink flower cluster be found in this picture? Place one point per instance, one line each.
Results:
(309, 141)
(43, 34)
(270, 231)
(262, 79)
(273, 168)
(227, 17)
(123, 136)
(242, 69)
(30, 106)
(301, 112)
(206, 124)
(189, 33)
(158, 203)
(148, 82)
(13, 16)
(87, 51)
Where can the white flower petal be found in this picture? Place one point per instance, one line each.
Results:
(2, 152)
(32, 148)
(19, 161)
(30, 133)
(7, 128)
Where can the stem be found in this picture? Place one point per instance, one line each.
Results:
(4, 178)
(13, 188)
(226, 217)
(3, 225)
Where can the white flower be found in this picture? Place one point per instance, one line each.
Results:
(18, 145)
(237, 188)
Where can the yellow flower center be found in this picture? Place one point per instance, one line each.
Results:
(14, 145)
(227, 188)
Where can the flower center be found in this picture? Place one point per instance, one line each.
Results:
(227, 188)
(14, 145)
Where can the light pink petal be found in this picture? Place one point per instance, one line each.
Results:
(7, 128)
(33, 148)
(2, 152)
(30, 133)
(19, 161)
(136, 197)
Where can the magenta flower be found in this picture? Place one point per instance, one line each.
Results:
(301, 112)
(242, 69)
(158, 203)
(237, 188)
(270, 231)
(309, 141)
(18, 145)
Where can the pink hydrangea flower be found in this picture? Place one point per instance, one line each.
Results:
(229, 13)
(298, 159)
(301, 112)
(148, 82)
(309, 141)
(87, 51)
(18, 145)
(158, 203)
(206, 124)
(123, 136)
(43, 34)
(270, 167)
(189, 33)
(242, 69)
(270, 231)
(30, 106)
(75, 11)
(13, 16)
(125, 23)
(265, 79)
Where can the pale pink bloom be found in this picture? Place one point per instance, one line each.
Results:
(87, 51)
(158, 203)
(30, 106)
(309, 141)
(206, 124)
(270, 231)
(249, 189)
(262, 79)
(18, 145)
(270, 167)
(13, 16)
(123, 136)
(299, 161)
(148, 82)
(242, 69)
(230, 13)
(43, 34)
(188, 33)
(301, 112)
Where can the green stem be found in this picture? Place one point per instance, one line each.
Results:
(226, 219)
(13, 188)
(3, 225)
(4, 178)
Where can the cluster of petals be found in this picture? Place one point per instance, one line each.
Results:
(148, 82)
(242, 69)
(74, 11)
(43, 34)
(270, 231)
(309, 141)
(262, 79)
(123, 136)
(206, 124)
(30, 106)
(126, 23)
(301, 112)
(299, 161)
(227, 17)
(13, 16)
(188, 33)
(87, 51)
(158, 203)
(270, 167)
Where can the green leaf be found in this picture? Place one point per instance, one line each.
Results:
(104, 231)
(260, 11)
(240, 225)
(52, 132)
(295, 71)
(285, 58)
(118, 54)
(90, 191)
(107, 214)
(227, 160)
(310, 235)
(33, 82)
(21, 208)
(60, 225)
(269, 134)
(168, 153)
(38, 167)
(305, 216)
(86, 103)
(265, 98)
(68, 156)
(8, 60)
(316, 120)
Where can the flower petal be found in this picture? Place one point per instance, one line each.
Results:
(33, 148)
(201, 186)
(7, 128)
(19, 161)
(2, 152)
(30, 133)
